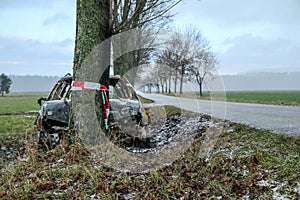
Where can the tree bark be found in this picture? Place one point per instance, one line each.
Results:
(92, 29)
(175, 82)
(200, 89)
(181, 83)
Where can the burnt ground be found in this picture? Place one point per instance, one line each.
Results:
(163, 132)
(167, 131)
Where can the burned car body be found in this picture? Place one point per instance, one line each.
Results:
(126, 111)
(126, 107)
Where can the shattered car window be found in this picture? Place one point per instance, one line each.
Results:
(119, 89)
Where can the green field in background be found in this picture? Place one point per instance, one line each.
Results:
(288, 98)
(263, 97)
(266, 97)
(13, 124)
(20, 102)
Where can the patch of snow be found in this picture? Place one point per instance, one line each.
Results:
(129, 196)
(24, 159)
(230, 131)
(3, 148)
(94, 196)
(297, 189)
(275, 187)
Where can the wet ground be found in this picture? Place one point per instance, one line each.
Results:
(12, 147)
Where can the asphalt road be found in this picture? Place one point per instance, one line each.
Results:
(278, 119)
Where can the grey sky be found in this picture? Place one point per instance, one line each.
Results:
(37, 36)
(248, 35)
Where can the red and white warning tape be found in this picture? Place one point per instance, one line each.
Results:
(81, 85)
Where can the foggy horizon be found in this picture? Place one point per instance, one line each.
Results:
(254, 81)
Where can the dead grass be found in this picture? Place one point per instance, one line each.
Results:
(245, 163)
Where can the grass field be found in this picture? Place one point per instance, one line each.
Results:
(16, 124)
(20, 102)
(266, 97)
(245, 163)
(291, 98)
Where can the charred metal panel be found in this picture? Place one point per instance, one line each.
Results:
(57, 110)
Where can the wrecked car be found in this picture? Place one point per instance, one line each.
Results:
(126, 113)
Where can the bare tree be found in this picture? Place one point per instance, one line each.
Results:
(202, 68)
(203, 62)
(153, 77)
(170, 58)
(188, 53)
(128, 14)
(164, 71)
(179, 53)
(124, 62)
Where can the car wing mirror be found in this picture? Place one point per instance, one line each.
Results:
(40, 100)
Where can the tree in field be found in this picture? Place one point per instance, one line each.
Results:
(129, 62)
(160, 72)
(5, 83)
(202, 68)
(164, 71)
(204, 62)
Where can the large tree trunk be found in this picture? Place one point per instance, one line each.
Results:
(92, 29)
